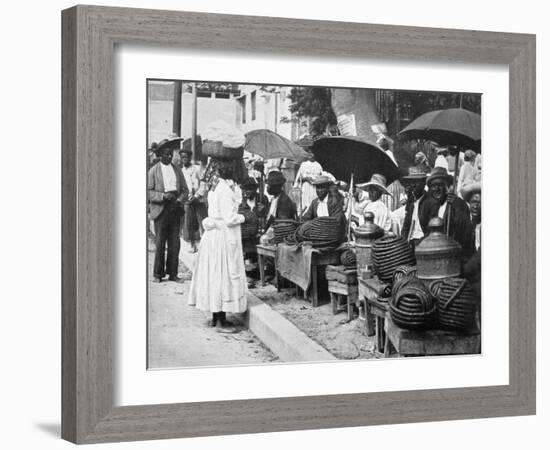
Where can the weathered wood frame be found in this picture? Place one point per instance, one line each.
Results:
(89, 36)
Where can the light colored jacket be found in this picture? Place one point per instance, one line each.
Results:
(155, 189)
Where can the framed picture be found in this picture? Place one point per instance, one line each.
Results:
(203, 88)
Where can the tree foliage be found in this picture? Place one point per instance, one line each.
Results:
(313, 102)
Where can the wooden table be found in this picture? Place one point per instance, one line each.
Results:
(342, 291)
(342, 287)
(267, 251)
(374, 309)
(319, 261)
(430, 342)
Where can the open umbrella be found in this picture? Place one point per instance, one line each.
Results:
(454, 126)
(344, 156)
(269, 145)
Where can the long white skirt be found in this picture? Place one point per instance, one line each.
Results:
(219, 278)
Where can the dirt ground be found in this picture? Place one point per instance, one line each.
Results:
(179, 335)
(343, 339)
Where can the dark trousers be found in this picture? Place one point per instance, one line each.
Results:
(167, 227)
(192, 224)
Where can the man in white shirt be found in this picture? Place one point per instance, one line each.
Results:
(415, 185)
(193, 217)
(167, 192)
(327, 204)
(376, 187)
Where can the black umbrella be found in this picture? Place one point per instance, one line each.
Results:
(346, 155)
(453, 126)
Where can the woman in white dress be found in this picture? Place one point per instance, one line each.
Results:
(219, 279)
(308, 171)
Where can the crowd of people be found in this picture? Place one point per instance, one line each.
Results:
(208, 204)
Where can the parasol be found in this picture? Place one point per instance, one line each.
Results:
(270, 145)
(454, 126)
(350, 155)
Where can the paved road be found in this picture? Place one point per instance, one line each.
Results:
(179, 335)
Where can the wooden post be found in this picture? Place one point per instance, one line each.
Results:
(176, 114)
(194, 122)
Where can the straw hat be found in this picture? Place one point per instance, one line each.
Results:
(414, 174)
(438, 173)
(378, 181)
(469, 190)
(322, 179)
(172, 143)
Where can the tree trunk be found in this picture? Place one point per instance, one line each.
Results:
(359, 102)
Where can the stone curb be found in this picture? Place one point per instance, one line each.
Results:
(281, 336)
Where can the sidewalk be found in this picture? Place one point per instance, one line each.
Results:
(179, 335)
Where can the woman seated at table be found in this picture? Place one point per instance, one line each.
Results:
(375, 188)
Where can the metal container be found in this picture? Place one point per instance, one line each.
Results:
(437, 255)
(365, 235)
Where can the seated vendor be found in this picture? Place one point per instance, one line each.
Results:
(407, 215)
(281, 205)
(252, 200)
(375, 188)
(440, 201)
(327, 203)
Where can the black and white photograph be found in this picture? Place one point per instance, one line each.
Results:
(290, 224)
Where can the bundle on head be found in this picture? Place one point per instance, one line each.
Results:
(412, 306)
(457, 303)
(389, 253)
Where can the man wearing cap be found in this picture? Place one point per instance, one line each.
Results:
(375, 188)
(327, 204)
(193, 213)
(281, 205)
(454, 211)
(167, 193)
(407, 215)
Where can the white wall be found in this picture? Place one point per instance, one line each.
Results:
(270, 108)
(30, 226)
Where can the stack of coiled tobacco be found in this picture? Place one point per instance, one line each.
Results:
(412, 306)
(457, 303)
(390, 252)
